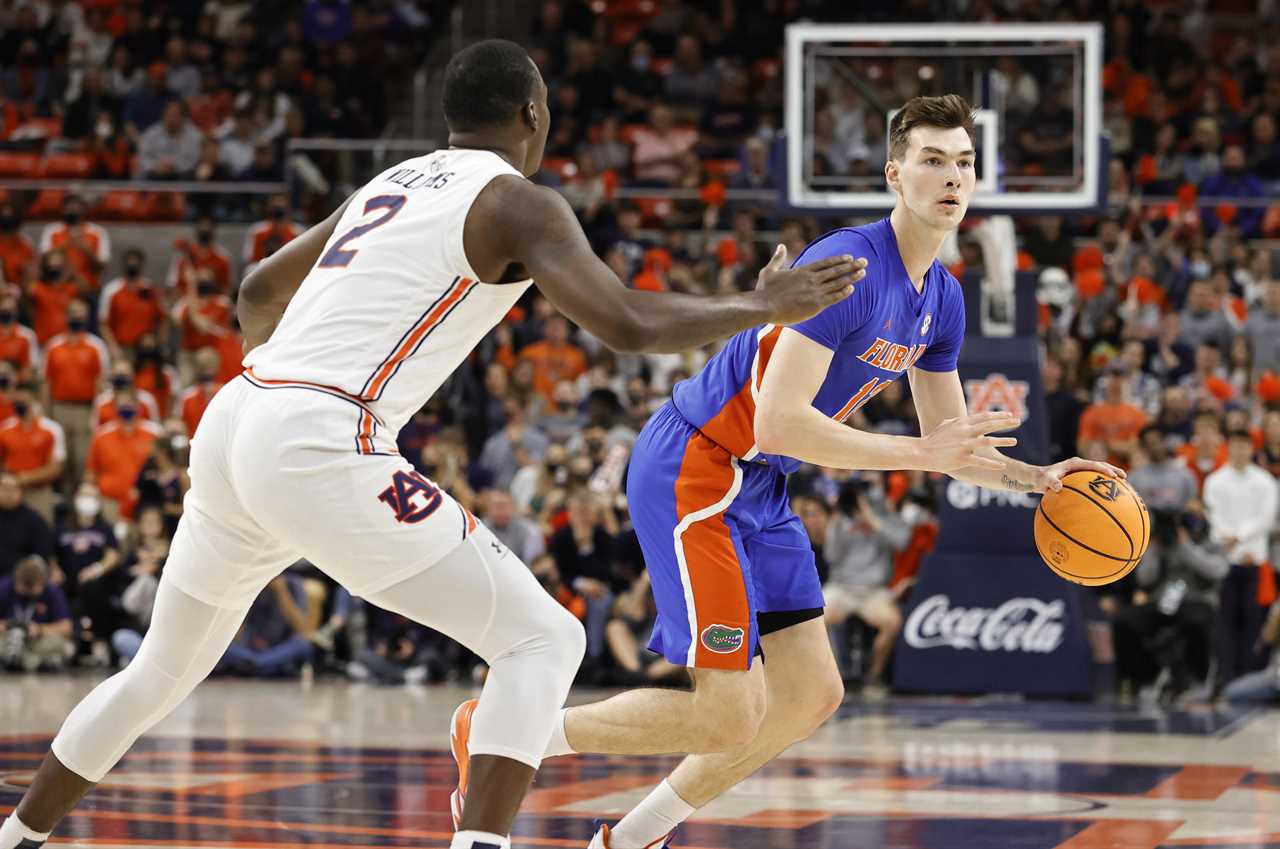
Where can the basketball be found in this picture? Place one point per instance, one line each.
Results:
(1094, 530)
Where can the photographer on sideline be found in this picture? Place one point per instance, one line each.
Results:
(1261, 687)
(862, 538)
(1171, 625)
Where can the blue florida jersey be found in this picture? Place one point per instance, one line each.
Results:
(876, 334)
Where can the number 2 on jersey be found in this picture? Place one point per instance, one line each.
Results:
(336, 257)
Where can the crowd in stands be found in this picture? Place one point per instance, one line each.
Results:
(1158, 322)
(208, 92)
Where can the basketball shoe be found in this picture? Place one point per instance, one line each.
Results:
(601, 838)
(459, 736)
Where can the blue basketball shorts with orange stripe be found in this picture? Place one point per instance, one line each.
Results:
(721, 544)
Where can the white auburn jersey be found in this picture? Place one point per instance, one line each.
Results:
(392, 307)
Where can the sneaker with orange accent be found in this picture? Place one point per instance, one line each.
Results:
(459, 737)
(601, 838)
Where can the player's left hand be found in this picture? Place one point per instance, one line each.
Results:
(1051, 476)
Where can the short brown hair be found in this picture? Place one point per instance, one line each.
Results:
(31, 572)
(946, 112)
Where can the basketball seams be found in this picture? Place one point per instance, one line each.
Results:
(1076, 578)
(1137, 538)
(1054, 525)
(1132, 548)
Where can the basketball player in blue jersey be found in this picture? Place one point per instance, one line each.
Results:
(731, 566)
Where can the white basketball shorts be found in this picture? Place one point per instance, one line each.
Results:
(277, 474)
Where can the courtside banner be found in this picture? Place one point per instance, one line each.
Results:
(998, 375)
(992, 624)
(1003, 374)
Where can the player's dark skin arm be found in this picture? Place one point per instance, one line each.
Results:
(516, 229)
(268, 289)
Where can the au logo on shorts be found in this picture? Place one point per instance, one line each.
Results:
(1105, 488)
(722, 639)
(405, 486)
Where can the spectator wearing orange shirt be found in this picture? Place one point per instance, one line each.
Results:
(152, 373)
(123, 392)
(117, 454)
(1114, 423)
(130, 306)
(51, 294)
(85, 245)
(193, 402)
(18, 344)
(73, 365)
(17, 254)
(33, 448)
(200, 254)
(202, 317)
(555, 358)
(266, 237)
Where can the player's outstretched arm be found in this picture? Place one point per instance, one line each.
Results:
(536, 228)
(267, 290)
(786, 422)
(940, 404)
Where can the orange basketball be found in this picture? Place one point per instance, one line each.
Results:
(1094, 530)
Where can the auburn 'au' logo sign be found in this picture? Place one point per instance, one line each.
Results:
(998, 393)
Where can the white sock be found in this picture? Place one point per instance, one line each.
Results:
(479, 840)
(651, 820)
(13, 831)
(559, 744)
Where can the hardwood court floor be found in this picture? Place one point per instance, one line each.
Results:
(341, 766)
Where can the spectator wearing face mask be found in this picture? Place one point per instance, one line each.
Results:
(202, 316)
(195, 399)
(85, 245)
(267, 236)
(116, 455)
(152, 373)
(18, 344)
(123, 391)
(50, 295)
(200, 254)
(33, 448)
(74, 363)
(17, 254)
(130, 306)
(35, 621)
(87, 558)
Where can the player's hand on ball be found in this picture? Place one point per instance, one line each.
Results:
(962, 442)
(795, 294)
(1051, 476)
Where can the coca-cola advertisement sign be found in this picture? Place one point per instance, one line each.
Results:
(1019, 624)
(991, 624)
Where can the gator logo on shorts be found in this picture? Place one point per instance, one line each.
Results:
(1105, 488)
(722, 639)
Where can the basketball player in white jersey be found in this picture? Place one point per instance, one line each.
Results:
(349, 329)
